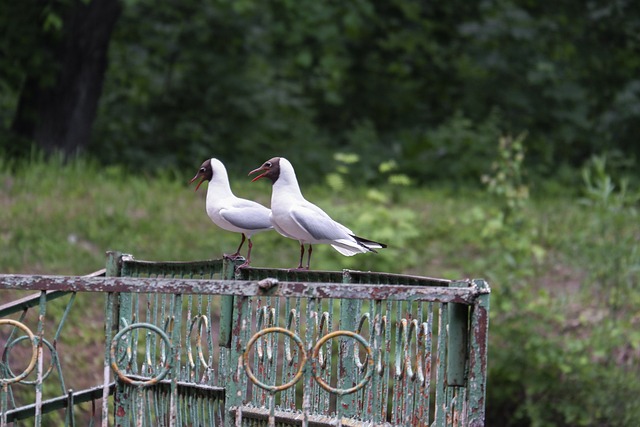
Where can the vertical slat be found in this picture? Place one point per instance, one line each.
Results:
(113, 269)
(398, 366)
(310, 389)
(457, 349)
(347, 369)
(176, 348)
(478, 357)
(236, 380)
(39, 365)
(441, 353)
(387, 368)
(109, 330)
(225, 328)
(374, 412)
(427, 328)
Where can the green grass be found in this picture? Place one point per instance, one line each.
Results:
(564, 333)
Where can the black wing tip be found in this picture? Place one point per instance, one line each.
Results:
(363, 242)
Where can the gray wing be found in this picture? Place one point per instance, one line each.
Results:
(318, 224)
(248, 217)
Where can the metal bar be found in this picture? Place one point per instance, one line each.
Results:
(28, 302)
(176, 347)
(457, 348)
(39, 368)
(336, 276)
(82, 396)
(252, 417)
(109, 330)
(266, 287)
(236, 383)
(441, 352)
(478, 357)
(347, 377)
(33, 300)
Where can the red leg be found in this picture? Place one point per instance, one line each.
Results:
(301, 256)
(248, 261)
(237, 254)
(309, 255)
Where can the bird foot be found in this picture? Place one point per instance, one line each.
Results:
(232, 256)
(243, 265)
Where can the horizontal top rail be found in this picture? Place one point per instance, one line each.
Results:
(463, 292)
(33, 300)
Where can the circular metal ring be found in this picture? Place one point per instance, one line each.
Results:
(356, 350)
(202, 320)
(34, 349)
(256, 381)
(114, 345)
(52, 351)
(322, 382)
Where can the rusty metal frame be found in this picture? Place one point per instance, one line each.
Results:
(371, 304)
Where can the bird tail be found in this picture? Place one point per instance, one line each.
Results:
(348, 250)
(369, 244)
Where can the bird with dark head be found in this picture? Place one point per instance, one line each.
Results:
(296, 218)
(229, 212)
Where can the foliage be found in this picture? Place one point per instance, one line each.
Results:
(431, 85)
(561, 355)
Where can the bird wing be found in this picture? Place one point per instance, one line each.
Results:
(248, 217)
(318, 224)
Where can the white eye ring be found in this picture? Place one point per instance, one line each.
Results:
(268, 164)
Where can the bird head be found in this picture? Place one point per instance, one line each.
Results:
(205, 173)
(270, 169)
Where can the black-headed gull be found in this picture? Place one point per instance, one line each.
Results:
(229, 212)
(294, 217)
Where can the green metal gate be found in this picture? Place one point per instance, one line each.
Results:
(204, 343)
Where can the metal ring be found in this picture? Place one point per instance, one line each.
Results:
(52, 351)
(381, 336)
(291, 325)
(302, 362)
(200, 319)
(123, 376)
(324, 322)
(34, 347)
(356, 350)
(322, 382)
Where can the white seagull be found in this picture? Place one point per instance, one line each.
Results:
(294, 217)
(229, 212)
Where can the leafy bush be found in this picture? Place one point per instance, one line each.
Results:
(569, 356)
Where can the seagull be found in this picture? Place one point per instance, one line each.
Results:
(294, 217)
(229, 212)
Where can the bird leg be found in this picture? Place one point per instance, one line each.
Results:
(300, 267)
(237, 254)
(248, 260)
(309, 255)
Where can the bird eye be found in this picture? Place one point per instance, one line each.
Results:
(267, 164)
(203, 170)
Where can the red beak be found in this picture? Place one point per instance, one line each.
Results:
(260, 169)
(194, 178)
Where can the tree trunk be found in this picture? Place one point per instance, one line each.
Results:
(59, 117)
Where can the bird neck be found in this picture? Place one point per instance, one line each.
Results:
(287, 184)
(219, 188)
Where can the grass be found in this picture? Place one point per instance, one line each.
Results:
(564, 347)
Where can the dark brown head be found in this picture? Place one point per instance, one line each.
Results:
(270, 169)
(205, 173)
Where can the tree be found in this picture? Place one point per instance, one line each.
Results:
(62, 63)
